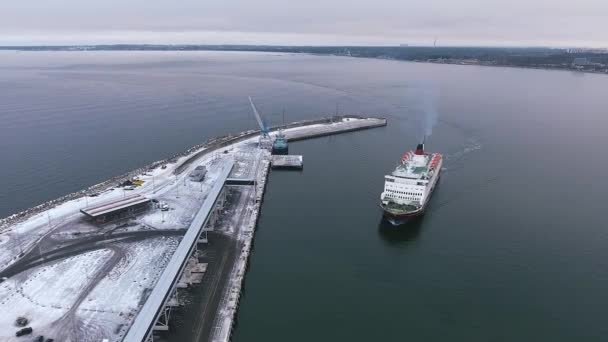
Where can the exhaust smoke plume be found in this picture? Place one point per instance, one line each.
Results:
(430, 112)
(426, 111)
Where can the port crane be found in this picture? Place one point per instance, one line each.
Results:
(265, 140)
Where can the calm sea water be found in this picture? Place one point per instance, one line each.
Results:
(514, 246)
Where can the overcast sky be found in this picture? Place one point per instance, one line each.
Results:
(314, 22)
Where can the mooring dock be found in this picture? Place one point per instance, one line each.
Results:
(344, 125)
(125, 255)
(287, 162)
(219, 320)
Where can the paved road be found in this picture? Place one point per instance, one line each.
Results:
(82, 245)
(215, 283)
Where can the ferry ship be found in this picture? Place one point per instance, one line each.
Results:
(408, 189)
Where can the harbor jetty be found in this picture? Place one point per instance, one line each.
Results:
(126, 259)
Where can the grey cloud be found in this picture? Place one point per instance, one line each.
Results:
(382, 21)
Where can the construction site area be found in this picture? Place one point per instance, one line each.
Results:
(110, 264)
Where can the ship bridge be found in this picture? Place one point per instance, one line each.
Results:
(415, 167)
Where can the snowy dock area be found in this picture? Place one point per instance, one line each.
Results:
(77, 280)
(287, 162)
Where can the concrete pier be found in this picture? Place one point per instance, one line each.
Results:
(218, 322)
(226, 314)
(203, 233)
(331, 128)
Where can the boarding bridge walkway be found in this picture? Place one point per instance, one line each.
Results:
(160, 297)
(240, 181)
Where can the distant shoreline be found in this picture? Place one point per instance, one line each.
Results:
(507, 66)
(593, 61)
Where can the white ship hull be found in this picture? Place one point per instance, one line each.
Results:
(409, 188)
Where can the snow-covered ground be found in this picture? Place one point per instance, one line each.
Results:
(46, 293)
(116, 299)
(97, 293)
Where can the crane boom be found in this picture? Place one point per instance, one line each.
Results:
(263, 127)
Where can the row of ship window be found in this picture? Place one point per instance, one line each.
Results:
(407, 197)
(407, 193)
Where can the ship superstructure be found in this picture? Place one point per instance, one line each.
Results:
(408, 189)
(280, 144)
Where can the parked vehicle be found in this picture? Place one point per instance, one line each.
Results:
(21, 321)
(24, 331)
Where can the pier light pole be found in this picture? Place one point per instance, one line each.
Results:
(255, 177)
(337, 112)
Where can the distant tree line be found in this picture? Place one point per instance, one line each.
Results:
(520, 57)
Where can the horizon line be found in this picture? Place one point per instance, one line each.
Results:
(295, 46)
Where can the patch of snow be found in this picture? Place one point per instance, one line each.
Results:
(116, 299)
(45, 293)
